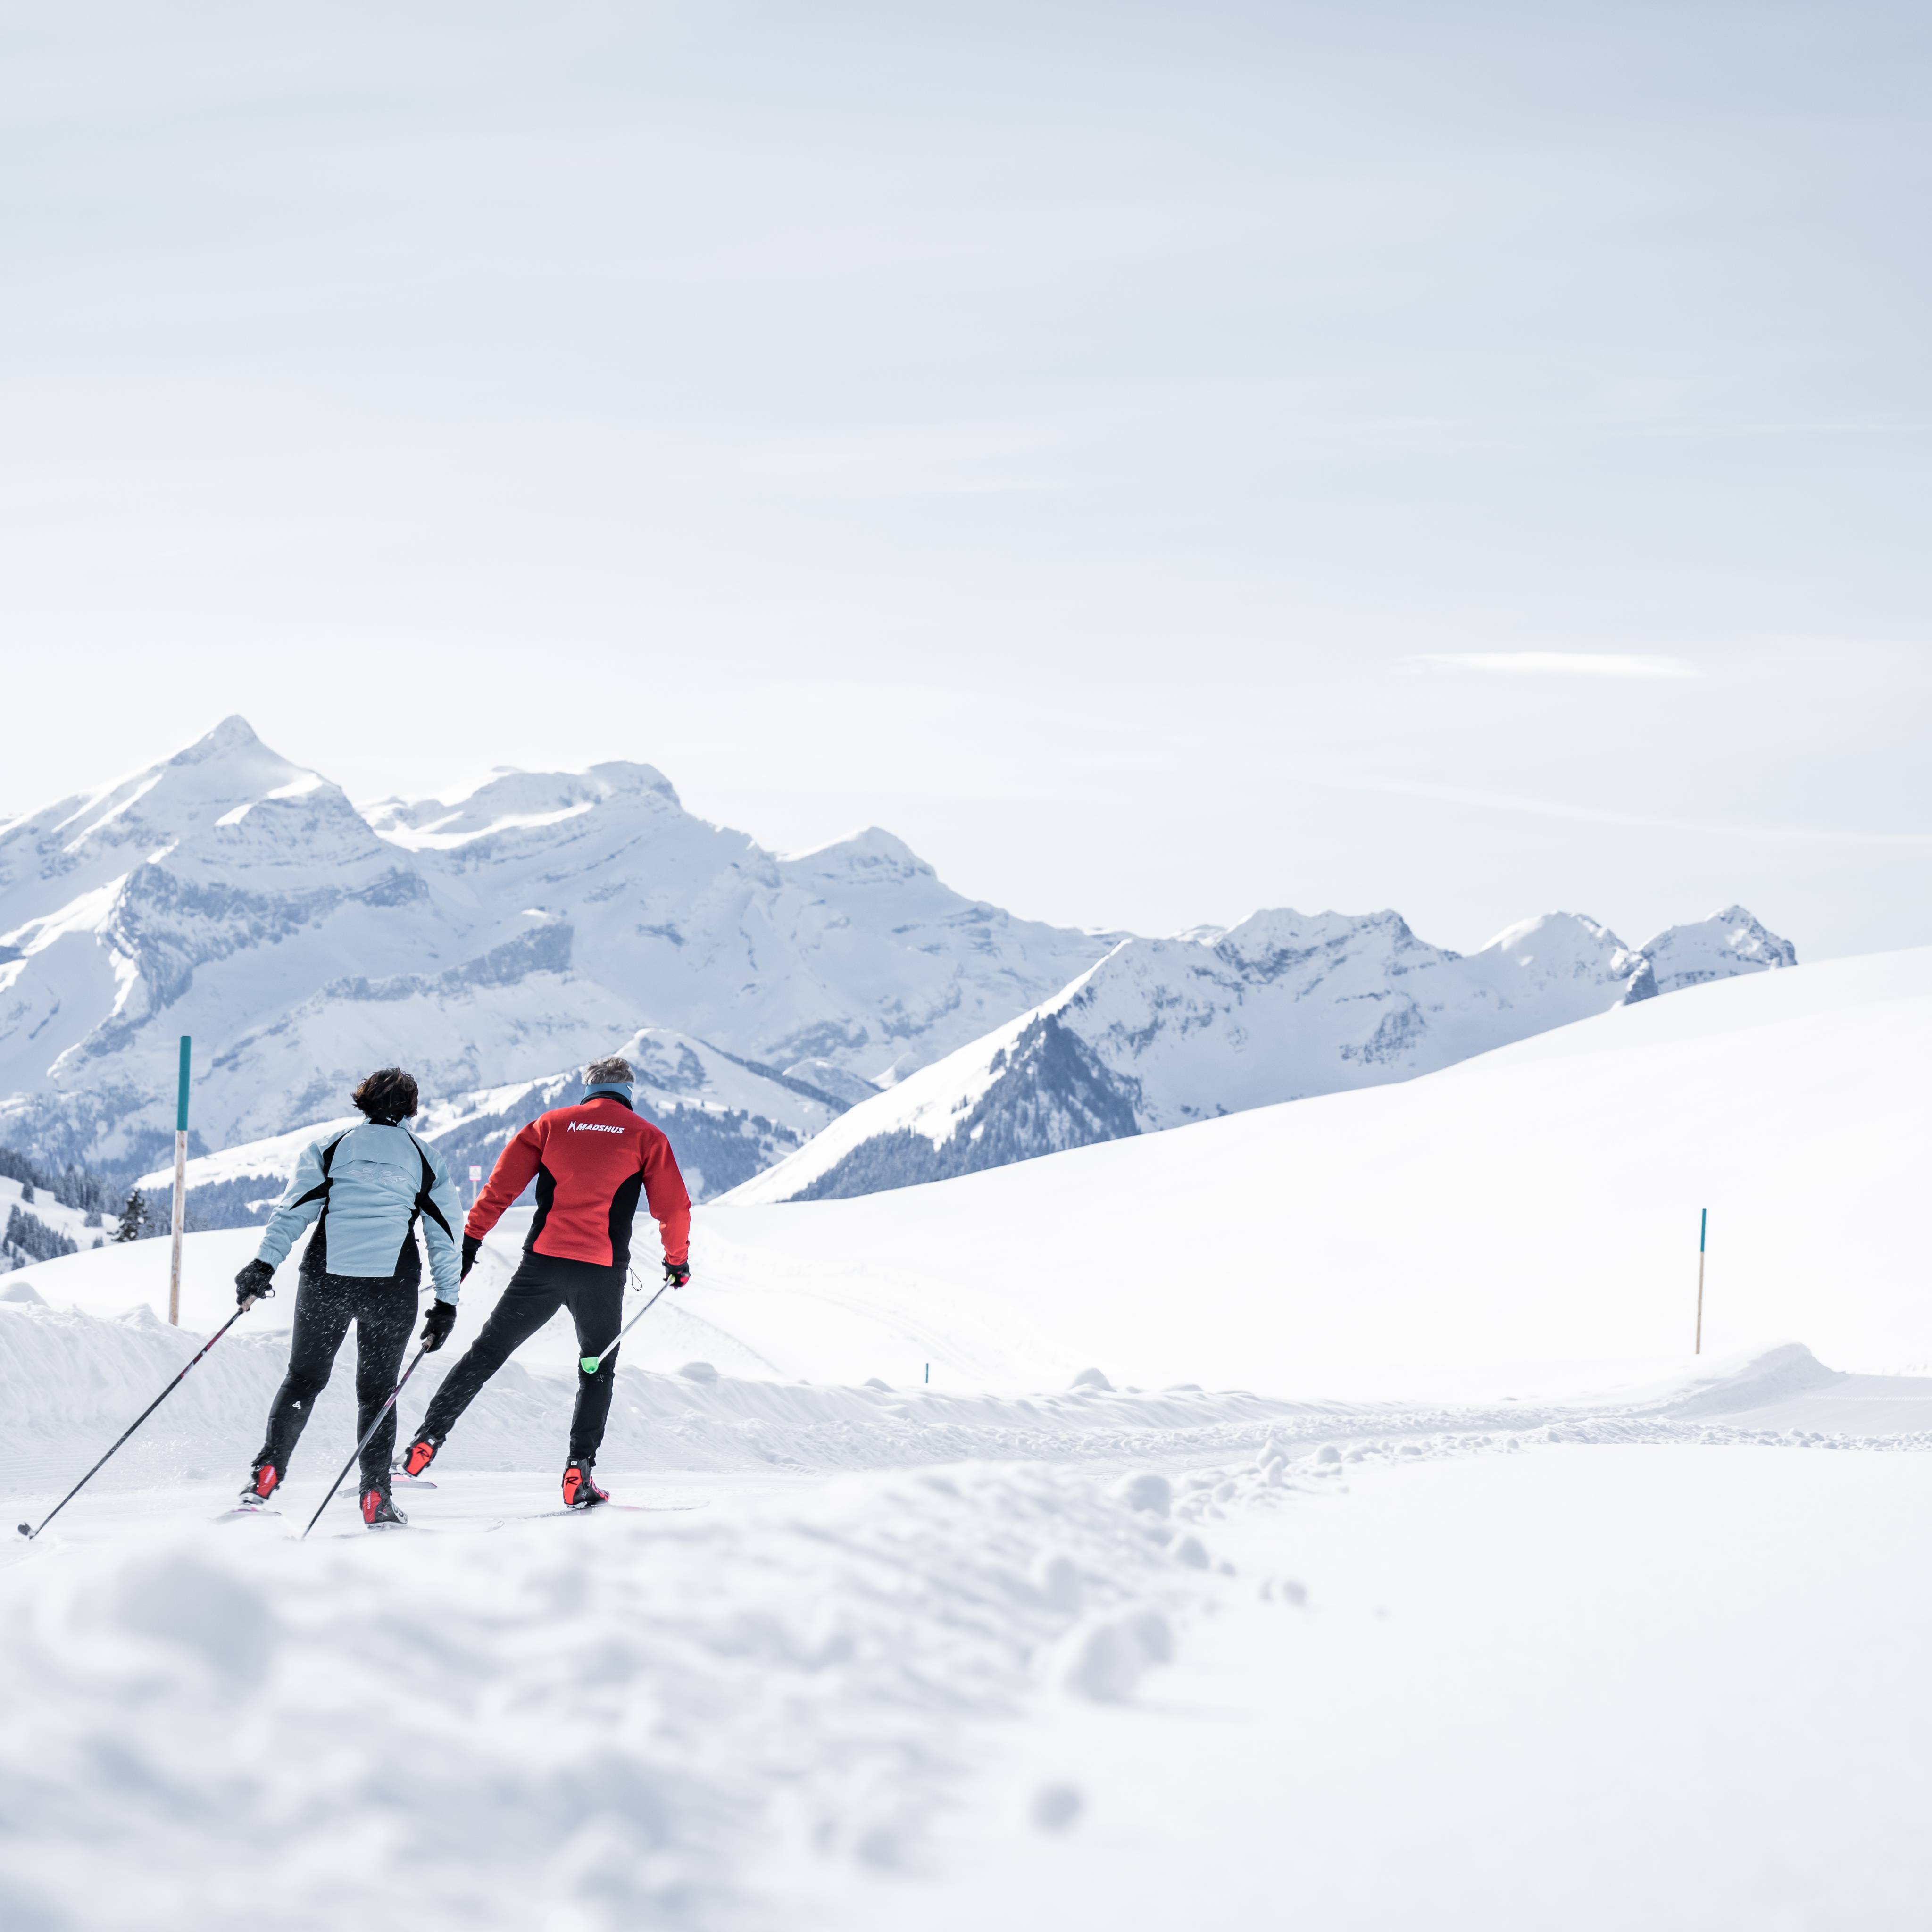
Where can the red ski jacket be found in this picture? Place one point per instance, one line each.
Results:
(589, 1162)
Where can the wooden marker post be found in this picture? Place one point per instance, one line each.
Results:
(181, 1185)
(1703, 1225)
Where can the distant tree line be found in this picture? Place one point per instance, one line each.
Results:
(30, 1237)
(73, 1186)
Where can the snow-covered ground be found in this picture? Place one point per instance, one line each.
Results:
(1111, 1660)
(1456, 1594)
(1537, 1203)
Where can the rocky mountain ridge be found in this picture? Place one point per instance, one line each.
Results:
(229, 894)
(1285, 1005)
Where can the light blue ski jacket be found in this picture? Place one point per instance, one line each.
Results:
(367, 1186)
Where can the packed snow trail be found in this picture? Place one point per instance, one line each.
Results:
(1683, 1689)
(74, 1381)
(771, 1695)
(603, 1721)
(1401, 1682)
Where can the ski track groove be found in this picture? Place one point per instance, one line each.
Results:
(707, 1717)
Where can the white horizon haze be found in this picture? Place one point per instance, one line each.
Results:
(1156, 465)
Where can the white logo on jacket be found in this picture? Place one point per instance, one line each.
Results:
(591, 1127)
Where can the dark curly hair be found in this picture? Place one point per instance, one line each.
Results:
(387, 1096)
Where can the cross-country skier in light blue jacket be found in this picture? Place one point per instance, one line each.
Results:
(365, 1189)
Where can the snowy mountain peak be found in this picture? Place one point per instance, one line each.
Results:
(1557, 949)
(1164, 1031)
(870, 857)
(233, 737)
(1275, 941)
(229, 893)
(517, 801)
(1551, 935)
(1720, 947)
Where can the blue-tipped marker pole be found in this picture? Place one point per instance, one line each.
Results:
(180, 1185)
(1703, 1228)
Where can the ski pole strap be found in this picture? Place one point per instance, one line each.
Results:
(31, 1534)
(354, 1455)
(590, 1364)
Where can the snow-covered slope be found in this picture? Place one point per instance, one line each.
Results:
(726, 1117)
(1164, 1031)
(231, 895)
(1540, 1202)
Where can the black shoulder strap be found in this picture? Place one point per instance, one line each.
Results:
(320, 1193)
(315, 1256)
(425, 1205)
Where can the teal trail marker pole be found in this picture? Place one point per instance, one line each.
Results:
(1703, 1227)
(181, 1184)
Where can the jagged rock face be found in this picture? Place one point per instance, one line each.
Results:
(1165, 1031)
(230, 894)
(1047, 1092)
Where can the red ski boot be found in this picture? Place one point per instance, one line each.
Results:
(580, 1488)
(378, 1513)
(261, 1481)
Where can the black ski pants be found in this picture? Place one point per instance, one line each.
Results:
(541, 1285)
(384, 1310)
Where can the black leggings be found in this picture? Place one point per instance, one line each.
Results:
(541, 1285)
(383, 1311)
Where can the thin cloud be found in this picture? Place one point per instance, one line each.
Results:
(1555, 664)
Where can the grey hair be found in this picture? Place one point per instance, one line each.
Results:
(602, 1072)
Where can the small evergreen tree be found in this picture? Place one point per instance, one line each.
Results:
(132, 1213)
(27, 1196)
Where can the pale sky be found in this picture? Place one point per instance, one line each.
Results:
(1158, 461)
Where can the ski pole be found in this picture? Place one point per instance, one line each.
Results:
(31, 1534)
(590, 1364)
(356, 1454)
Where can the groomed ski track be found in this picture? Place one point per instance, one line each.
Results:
(1044, 1649)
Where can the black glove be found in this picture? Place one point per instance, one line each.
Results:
(676, 1273)
(255, 1281)
(471, 1242)
(437, 1325)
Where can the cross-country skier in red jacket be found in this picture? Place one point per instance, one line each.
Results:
(589, 1163)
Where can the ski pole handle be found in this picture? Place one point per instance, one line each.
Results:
(590, 1364)
(31, 1534)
